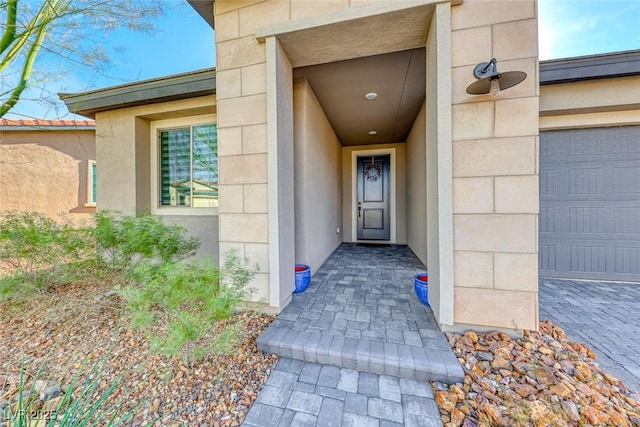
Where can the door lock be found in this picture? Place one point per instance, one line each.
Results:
(359, 209)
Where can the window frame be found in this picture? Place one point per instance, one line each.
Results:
(91, 203)
(156, 127)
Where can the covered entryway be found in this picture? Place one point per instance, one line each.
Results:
(313, 133)
(590, 203)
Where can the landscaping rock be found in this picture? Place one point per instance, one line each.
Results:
(541, 379)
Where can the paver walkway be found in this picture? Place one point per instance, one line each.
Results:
(309, 394)
(606, 316)
(361, 312)
(356, 347)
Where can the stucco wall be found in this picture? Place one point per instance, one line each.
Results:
(125, 140)
(593, 103)
(399, 186)
(46, 171)
(417, 187)
(317, 179)
(495, 172)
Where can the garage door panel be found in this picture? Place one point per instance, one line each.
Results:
(590, 203)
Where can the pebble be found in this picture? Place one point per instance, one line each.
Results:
(540, 379)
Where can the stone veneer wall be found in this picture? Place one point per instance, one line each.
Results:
(495, 168)
(495, 183)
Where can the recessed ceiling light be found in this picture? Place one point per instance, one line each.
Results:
(373, 132)
(371, 96)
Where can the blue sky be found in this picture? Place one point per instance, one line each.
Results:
(567, 28)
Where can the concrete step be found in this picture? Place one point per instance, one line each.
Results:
(437, 363)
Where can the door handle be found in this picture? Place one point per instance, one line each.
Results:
(359, 209)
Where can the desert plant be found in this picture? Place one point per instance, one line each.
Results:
(177, 303)
(86, 409)
(37, 251)
(123, 242)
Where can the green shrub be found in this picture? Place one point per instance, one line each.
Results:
(177, 303)
(123, 242)
(38, 252)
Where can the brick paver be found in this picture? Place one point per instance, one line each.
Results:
(605, 316)
(340, 397)
(361, 312)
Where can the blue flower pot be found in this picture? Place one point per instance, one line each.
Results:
(421, 286)
(303, 278)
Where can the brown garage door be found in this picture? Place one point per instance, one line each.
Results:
(590, 203)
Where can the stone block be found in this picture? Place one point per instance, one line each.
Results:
(229, 141)
(517, 194)
(263, 13)
(231, 199)
(254, 79)
(242, 111)
(473, 195)
(228, 84)
(245, 169)
(495, 233)
(491, 157)
(473, 120)
(496, 308)
(517, 117)
(518, 272)
(518, 39)
(227, 26)
(476, 13)
(250, 228)
(239, 52)
(258, 253)
(304, 8)
(301, 401)
(254, 139)
(256, 198)
(471, 46)
(473, 269)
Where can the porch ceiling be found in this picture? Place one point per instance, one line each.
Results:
(399, 80)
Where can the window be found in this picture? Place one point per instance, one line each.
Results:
(91, 183)
(189, 167)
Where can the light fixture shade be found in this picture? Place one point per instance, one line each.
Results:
(507, 79)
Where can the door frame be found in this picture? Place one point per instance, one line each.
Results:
(392, 192)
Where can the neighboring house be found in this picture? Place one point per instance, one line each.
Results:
(345, 122)
(48, 166)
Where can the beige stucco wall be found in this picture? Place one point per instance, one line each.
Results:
(125, 140)
(417, 187)
(46, 171)
(317, 179)
(495, 172)
(592, 103)
(398, 183)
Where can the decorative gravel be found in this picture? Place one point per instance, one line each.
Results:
(77, 329)
(541, 379)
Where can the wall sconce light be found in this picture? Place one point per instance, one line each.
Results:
(490, 80)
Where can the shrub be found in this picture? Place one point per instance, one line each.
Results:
(177, 303)
(38, 251)
(123, 242)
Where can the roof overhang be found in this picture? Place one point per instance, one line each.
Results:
(593, 67)
(204, 8)
(171, 88)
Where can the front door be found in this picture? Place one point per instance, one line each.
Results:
(373, 197)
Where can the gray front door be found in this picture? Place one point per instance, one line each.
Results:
(590, 203)
(373, 197)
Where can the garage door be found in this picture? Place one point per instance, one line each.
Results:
(590, 203)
